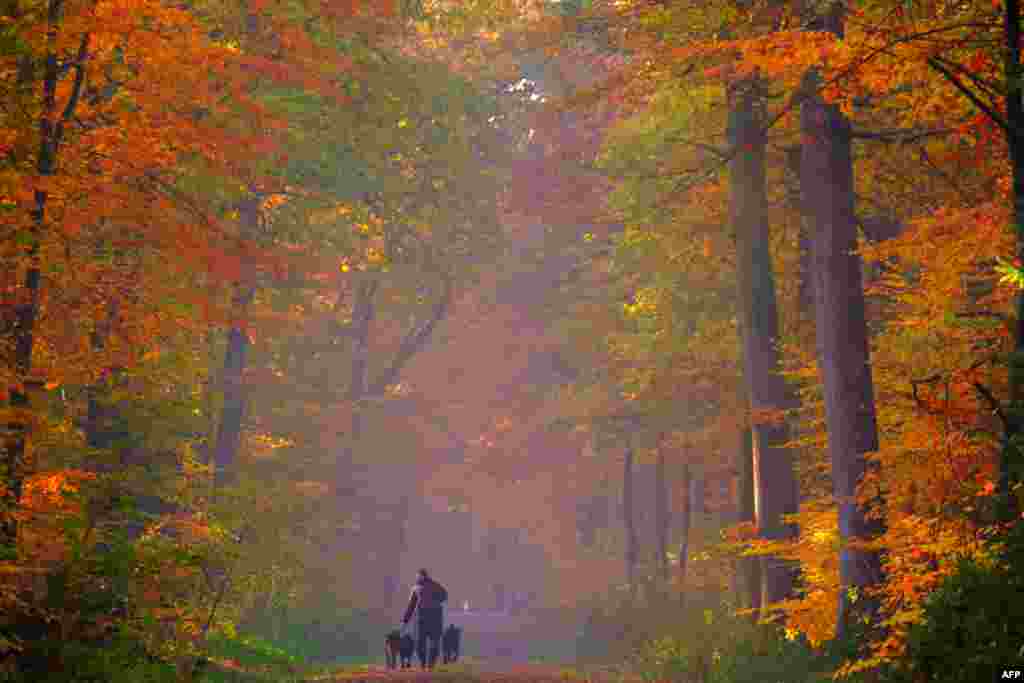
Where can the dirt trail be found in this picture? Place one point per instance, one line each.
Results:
(478, 671)
(497, 647)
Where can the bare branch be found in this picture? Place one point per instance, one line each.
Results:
(992, 401)
(969, 94)
(415, 340)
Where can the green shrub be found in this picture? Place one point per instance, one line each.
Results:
(765, 655)
(706, 643)
(974, 622)
(726, 649)
(117, 659)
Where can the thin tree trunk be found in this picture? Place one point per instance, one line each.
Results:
(697, 488)
(841, 329)
(684, 530)
(22, 320)
(363, 313)
(774, 478)
(360, 386)
(661, 517)
(229, 430)
(749, 566)
(627, 519)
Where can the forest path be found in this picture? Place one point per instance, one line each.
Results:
(496, 647)
(478, 671)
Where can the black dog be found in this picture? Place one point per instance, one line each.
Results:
(406, 649)
(392, 646)
(398, 649)
(450, 643)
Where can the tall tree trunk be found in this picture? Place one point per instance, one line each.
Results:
(775, 487)
(229, 430)
(20, 322)
(841, 329)
(697, 489)
(363, 313)
(749, 566)
(661, 518)
(684, 530)
(1011, 461)
(627, 519)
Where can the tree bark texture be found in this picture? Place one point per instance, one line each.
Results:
(684, 529)
(661, 517)
(841, 331)
(750, 566)
(775, 485)
(627, 519)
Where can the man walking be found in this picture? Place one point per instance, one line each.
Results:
(427, 600)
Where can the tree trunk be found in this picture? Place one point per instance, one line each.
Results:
(697, 488)
(21, 320)
(1011, 461)
(841, 330)
(661, 517)
(749, 566)
(775, 487)
(627, 519)
(684, 531)
(229, 429)
(363, 313)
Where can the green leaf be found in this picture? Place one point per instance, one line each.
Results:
(1010, 274)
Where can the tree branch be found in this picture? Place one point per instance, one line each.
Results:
(992, 401)
(414, 340)
(901, 135)
(975, 100)
(76, 89)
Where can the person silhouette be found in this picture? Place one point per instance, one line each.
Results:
(427, 602)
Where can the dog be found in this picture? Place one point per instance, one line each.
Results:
(405, 650)
(398, 649)
(392, 648)
(450, 643)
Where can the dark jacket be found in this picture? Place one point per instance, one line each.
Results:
(426, 594)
